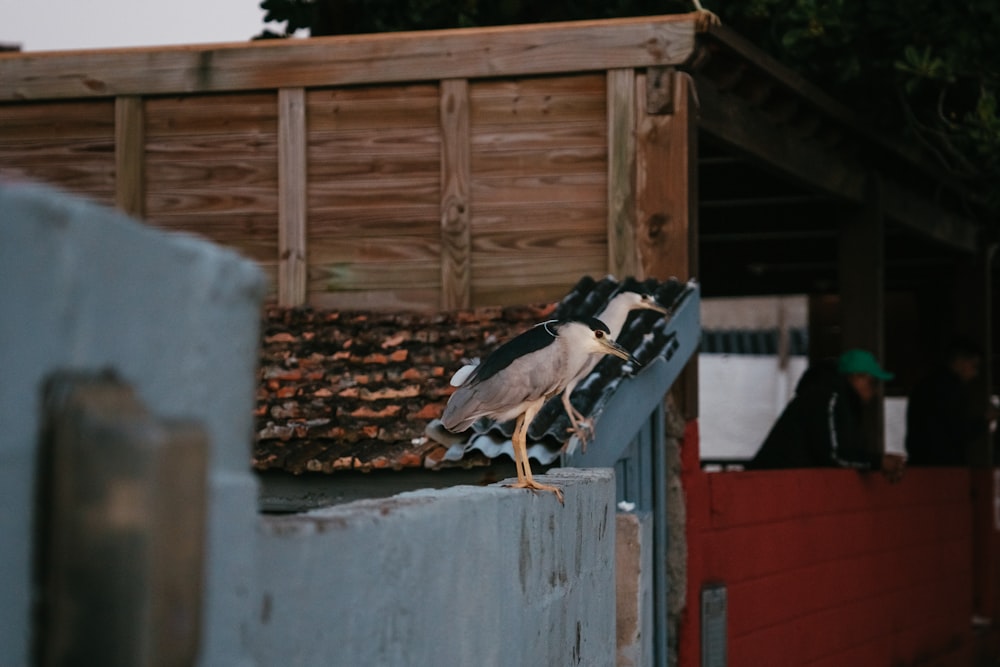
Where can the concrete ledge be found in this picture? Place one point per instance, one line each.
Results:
(460, 576)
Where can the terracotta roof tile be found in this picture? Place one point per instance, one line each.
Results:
(342, 390)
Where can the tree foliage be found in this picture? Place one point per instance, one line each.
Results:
(928, 68)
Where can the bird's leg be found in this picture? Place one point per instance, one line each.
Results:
(520, 442)
(520, 453)
(580, 425)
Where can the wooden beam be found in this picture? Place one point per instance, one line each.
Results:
(456, 217)
(737, 123)
(862, 276)
(862, 291)
(292, 182)
(667, 198)
(130, 146)
(623, 253)
(922, 215)
(734, 122)
(577, 46)
(666, 185)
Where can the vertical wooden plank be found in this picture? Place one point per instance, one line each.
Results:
(623, 254)
(666, 179)
(292, 179)
(667, 192)
(456, 235)
(130, 144)
(861, 271)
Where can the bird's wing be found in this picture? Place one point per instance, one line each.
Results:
(523, 344)
(501, 396)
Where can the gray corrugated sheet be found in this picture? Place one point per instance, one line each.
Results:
(646, 334)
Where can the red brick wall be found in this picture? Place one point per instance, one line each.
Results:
(832, 567)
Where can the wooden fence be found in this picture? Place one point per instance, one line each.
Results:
(421, 170)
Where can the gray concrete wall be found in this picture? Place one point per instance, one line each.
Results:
(455, 577)
(461, 576)
(84, 287)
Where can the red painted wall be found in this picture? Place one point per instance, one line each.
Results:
(832, 567)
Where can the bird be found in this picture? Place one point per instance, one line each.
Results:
(517, 378)
(614, 316)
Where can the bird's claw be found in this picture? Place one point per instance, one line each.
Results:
(583, 429)
(533, 486)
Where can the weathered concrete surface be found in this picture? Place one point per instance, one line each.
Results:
(634, 589)
(84, 287)
(460, 576)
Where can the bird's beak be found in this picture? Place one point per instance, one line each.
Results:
(652, 305)
(619, 351)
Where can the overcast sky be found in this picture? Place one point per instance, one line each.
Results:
(43, 25)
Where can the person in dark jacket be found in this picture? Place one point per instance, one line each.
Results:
(940, 425)
(821, 426)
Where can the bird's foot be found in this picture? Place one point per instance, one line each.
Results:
(583, 429)
(536, 486)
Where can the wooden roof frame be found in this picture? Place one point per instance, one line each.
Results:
(761, 109)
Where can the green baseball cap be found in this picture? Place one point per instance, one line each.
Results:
(862, 361)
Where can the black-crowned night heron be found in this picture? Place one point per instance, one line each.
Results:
(519, 376)
(614, 316)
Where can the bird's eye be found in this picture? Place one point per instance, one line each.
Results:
(599, 333)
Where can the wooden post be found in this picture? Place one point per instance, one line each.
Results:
(861, 270)
(623, 253)
(456, 235)
(130, 146)
(666, 175)
(122, 506)
(667, 192)
(292, 181)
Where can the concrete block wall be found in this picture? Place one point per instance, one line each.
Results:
(83, 287)
(832, 567)
(454, 577)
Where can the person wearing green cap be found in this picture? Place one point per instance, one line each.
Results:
(821, 426)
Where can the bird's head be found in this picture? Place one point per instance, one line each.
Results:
(597, 339)
(641, 301)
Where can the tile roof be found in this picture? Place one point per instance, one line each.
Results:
(362, 390)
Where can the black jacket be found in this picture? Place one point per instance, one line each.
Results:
(820, 427)
(938, 425)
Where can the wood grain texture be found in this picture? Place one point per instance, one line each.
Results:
(456, 216)
(667, 201)
(130, 145)
(212, 157)
(666, 187)
(375, 193)
(292, 183)
(623, 253)
(70, 145)
(539, 185)
(351, 59)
